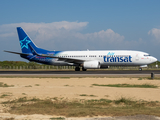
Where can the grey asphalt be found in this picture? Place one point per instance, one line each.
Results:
(135, 117)
(84, 72)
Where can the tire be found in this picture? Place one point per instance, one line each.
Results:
(77, 69)
(83, 69)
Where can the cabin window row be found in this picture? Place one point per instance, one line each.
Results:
(75, 56)
(96, 56)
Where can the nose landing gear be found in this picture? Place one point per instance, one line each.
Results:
(140, 69)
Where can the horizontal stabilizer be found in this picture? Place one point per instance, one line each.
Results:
(16, 52)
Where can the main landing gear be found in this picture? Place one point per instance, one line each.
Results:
(78, 69)
(84, 69)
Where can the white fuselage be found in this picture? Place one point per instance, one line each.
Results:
(109, 57)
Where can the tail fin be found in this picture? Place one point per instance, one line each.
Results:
(24, 41)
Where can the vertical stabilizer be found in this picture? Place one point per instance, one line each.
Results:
(25, 41)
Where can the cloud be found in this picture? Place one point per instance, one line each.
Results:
(42, 30)
(155, 33)
(108, 35)
(60, 30)
(54, 25)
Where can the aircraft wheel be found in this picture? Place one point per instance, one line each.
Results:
(77, 69)
(84, 69)
(140, 69)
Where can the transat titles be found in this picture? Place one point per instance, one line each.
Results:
(112, 58)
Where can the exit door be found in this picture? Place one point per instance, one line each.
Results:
(137, 57)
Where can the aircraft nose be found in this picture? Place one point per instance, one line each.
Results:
(154, 59)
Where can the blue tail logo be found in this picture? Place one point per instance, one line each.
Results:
(24, 43)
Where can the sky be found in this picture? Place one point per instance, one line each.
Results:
(64, 25)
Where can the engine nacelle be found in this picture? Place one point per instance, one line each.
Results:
(91, 65)
(143, 66)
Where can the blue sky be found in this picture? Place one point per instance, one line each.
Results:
(81, 25)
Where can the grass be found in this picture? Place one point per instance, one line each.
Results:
(156, 78)
(64, 77)
(69, 85)
(4, 95)
(81, 108)
(87, 95)
(5, 85)
(9, 119)
(83, 95)
(22, 100)
(123, 100)
(92, 95)
(28, 86)
(57, 118)
(128, 85)
(106, 96)
(140, 78)
(37, 84)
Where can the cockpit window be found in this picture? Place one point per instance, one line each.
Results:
(147, 55)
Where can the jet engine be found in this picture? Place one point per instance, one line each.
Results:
(91, 65)
(143, 66)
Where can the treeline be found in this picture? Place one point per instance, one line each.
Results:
(29, 65)
(155, 63)
(18, 63)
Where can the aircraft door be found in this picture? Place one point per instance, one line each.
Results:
(137, 57)
(150, 59)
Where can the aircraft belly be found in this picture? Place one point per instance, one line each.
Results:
(118, 64)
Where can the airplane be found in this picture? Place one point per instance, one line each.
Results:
(85, 59)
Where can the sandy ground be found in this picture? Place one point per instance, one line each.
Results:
(72, 88)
